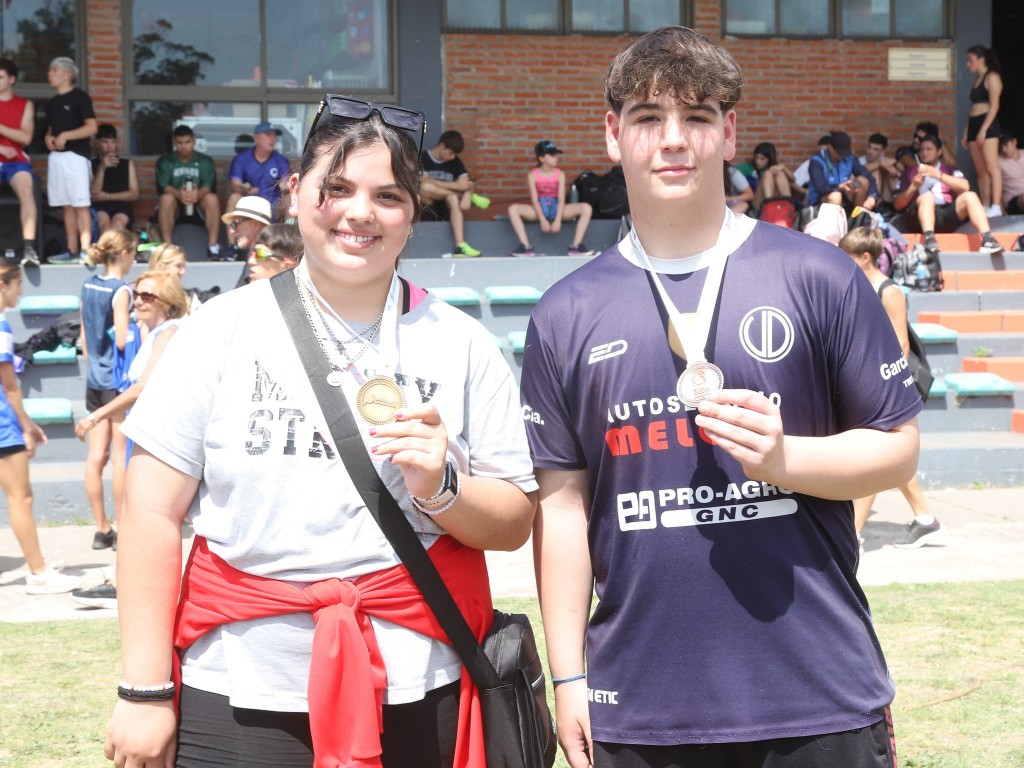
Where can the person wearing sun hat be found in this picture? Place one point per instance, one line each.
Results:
(245, 222)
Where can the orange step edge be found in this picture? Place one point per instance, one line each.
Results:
(1010, 368)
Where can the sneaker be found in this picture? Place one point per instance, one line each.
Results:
(213, 252)
(918, 535)
(523, 250)
(931, 244)
(103, 596)
(65, 258)
(480, 201)
(464, 249)
(102, 540)
(29, 257)
(50, 582)
(580, 249)
(993, 211)
(991, 245)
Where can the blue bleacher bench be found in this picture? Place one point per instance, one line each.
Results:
(512, 294)
(933, 333)
(456, 295)
(56, 304)
(517, 339)
(48, 410)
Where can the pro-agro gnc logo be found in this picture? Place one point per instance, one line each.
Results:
(766, 334)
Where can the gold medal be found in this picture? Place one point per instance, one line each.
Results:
(379, 399)
(699, 382)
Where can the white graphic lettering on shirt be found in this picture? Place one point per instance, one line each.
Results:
(606, 351)
(602, 697)
(702, 505)
(766, 334)
(532, 416)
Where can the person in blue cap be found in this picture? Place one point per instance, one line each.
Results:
(259, 170)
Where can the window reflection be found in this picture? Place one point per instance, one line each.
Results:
(34, 32)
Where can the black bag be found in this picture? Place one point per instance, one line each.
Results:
(613, 202)
(519, 731)
(588, 187)
(65, 331)
(917, 360)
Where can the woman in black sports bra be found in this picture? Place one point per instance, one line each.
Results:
(981, 136)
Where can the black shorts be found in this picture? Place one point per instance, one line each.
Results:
(974, 125)
(213, 734)
(946, 218)
(115, 207)
(1016, 206)
(97, 398)
(870, 747)
(10, 450)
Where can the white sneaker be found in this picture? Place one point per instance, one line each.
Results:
(993, 210)
(50, 582)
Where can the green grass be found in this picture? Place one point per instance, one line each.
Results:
(956, 652)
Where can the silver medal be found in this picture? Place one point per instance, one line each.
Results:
(699, 382)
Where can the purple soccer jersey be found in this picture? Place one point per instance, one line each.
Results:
(728, 609)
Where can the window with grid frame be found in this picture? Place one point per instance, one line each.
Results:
(904, 19)
(224, 67)
(563, 17)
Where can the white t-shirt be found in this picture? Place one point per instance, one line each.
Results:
(229, 403)
(141, 359)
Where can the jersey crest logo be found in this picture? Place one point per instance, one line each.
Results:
(606, 351)
(767, 334)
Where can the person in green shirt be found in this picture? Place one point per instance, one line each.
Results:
(173, 172)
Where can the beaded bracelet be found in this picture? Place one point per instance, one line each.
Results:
(557, 680)
(163, 692)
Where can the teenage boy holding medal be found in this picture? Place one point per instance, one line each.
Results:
(702, 401)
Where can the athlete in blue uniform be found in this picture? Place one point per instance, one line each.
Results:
(713, 519)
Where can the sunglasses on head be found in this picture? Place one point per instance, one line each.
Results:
(344, 108)
(262, 253)
(146, 297)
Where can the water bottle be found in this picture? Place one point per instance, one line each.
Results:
(921, 274)
(9, 253)
(189, 187)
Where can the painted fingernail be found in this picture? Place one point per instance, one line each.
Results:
(373, 449)
(373, 432)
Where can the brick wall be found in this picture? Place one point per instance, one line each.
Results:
(505, 92)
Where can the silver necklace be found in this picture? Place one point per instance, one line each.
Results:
(334, 378)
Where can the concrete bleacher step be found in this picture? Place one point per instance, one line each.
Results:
(966, 260)
(946, 412)
(993, 459)
(1017, 423)
(976, 321)
(965, 242)
(1009, 368)
(983, 280)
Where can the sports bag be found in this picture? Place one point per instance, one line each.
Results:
(519, 731)
(918, 269)
(917, 360)
(779, 210)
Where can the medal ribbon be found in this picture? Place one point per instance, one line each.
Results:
(387, 348)
(692, 329)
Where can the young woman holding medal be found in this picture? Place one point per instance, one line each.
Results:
(712, 399)
(301, 640)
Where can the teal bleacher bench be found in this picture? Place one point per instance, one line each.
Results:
(48, 410)
(933, 333)
(980, 384)
(65, 353)
(456, 295)
(517, 340)
(56, 304)
(512, 294)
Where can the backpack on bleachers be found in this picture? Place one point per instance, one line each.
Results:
(893, 248)
(918, 269)
(613, 202)
(779, 210)
(588, 187)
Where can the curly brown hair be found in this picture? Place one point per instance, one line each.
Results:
(677, 61)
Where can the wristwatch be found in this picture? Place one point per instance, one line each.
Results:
(446, 495)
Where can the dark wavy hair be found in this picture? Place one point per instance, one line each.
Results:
(339, 137)
(767, 149)
(677, 61)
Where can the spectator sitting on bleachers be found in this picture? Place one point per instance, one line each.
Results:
(278, 247)
(1011, 163)
(115, 183)
(883, 168)
(837, 177)
(17, 124)
(738, 192)
(802, 174)
(931, 129)
(773, 178)
(940, 198)
(259, 170)
(245, 222)
(446, 181)
(547, 204)
(178, 170)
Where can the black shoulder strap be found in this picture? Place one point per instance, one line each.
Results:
(378, 500)
(885, 284)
